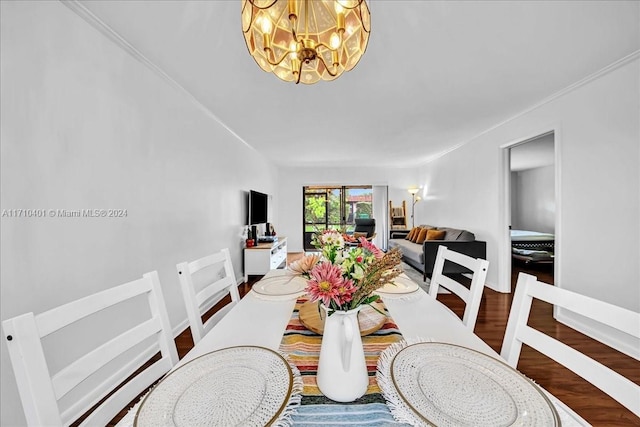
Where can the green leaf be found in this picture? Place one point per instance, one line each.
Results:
(370, 299)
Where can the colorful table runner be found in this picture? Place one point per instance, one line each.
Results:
(302, 347)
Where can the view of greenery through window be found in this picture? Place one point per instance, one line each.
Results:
(335, 208)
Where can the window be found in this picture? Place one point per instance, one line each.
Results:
(334, 207)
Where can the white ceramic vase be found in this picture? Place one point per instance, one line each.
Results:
(342, 370)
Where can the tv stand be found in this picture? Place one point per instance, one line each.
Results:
(259, 259)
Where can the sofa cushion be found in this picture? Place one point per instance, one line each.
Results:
(409, 250)
(426, 226)
(436, 234)
(418, 237)
(467, 236)
(450, 233)
(422, 236)
(414, 238)
(457, 234)
(412, 233)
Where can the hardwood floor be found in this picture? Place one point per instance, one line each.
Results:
(589, 402)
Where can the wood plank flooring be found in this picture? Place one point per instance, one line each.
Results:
(589, 402)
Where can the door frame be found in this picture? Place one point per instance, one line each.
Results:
(504, 235)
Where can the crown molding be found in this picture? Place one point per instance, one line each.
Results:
(77, 7)
(602, 72)
(93, 20)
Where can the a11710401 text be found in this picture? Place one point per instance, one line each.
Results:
(64, 213)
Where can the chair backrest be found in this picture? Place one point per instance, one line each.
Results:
(66, 395)
(472, 295)
(200, 299)
(518, 332)
(365, 225)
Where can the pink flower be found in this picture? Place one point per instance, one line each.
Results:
(371, 248)
(346, 291)
(327, 284)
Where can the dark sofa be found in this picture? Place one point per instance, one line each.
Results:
(423, 256)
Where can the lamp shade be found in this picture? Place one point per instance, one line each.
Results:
(306, 40)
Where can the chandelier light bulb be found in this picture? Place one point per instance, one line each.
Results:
(335, 41)
(266, 25)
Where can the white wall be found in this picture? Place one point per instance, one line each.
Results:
(84, 125)
(533, 205)
(598, 134)
(292, 179)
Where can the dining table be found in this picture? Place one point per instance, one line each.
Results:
(266, 319)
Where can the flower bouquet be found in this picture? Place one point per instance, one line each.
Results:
(344, 279)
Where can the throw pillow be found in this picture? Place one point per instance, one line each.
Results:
(359, 234)
(436, 234)
(411, 233)
(414, 238)
(422, 236)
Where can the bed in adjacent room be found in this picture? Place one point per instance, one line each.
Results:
(532, 246)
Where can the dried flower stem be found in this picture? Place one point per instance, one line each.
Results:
(377, 274)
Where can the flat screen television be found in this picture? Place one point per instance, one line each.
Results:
(258, 204)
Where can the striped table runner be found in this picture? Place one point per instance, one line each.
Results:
(303, 349)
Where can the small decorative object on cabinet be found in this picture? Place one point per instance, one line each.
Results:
(398, 216)
(262, 257)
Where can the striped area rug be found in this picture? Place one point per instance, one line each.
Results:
(302, 347)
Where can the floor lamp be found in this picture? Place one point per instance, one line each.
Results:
(414, 199)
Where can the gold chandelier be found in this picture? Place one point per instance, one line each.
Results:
(306, 40)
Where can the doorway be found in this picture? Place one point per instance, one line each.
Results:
(334, 208)
(530, 209)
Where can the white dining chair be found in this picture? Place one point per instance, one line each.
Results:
(472, 295)
(219, 279)
(518, 332)
(68, 359)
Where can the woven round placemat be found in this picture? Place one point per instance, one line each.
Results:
(430, 383)
(235, 386)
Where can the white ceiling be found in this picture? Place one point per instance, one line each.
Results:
(435, 73)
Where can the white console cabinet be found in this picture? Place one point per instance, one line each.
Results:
(258, 260)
